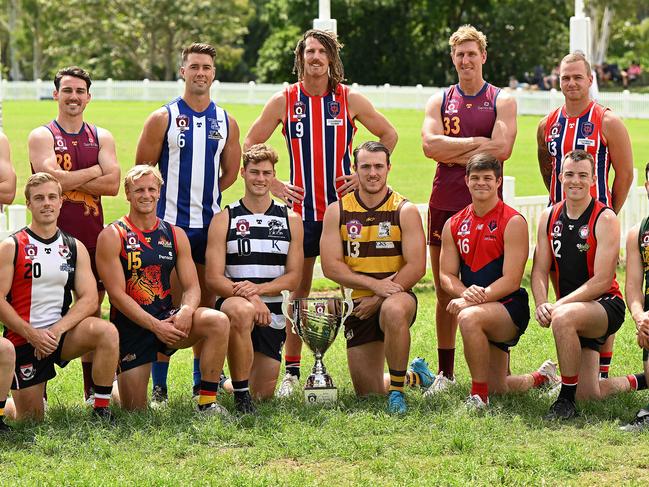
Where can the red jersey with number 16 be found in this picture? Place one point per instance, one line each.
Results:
(319, 133)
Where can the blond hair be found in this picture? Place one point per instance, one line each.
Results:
(575, 57)
(40, 178)
(259, 153)
(136, 172)
(467, 33)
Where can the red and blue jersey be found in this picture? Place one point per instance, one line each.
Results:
(480, 241)
(319, 133)
(564, 134)
(462, 116)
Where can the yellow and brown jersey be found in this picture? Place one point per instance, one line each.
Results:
(371, 236)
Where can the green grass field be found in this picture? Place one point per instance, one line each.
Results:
(355, 443)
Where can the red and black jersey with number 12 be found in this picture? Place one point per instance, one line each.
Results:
(480, 241)
(319, 133)
(573, 245)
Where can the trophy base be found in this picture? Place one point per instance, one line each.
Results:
(320, 395)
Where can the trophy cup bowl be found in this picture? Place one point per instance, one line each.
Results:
(317, 321)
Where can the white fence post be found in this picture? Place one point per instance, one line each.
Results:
(509, 190)
(17, 217)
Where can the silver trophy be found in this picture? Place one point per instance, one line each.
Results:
(317, 321)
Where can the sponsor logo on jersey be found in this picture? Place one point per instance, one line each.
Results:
(583, 247)
(242, 227)
(275, 228)
(557, 228)
(165, 257)
(27, 371)
(584, 232)
(334, 122)
(480, 226)
(59, 144)
(333, 107)
(65, 267)
(132, 242)
(164, 242)
(384, 245)
(31, 251)
(469, 105)
(182, 122)
(587, 129)
(214, 135)
(64, 251)
(384, 230)
(299, 110)
(571, 125)
(486, 106)
(586, 142)
(354, 228)
(48, 250)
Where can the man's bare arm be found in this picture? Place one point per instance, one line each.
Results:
(542, 262)
(108, 183)
(230, 157)
(215, 256)
(186, 271)
(7, 173)
(271, 116)
(503, 134)
(413, 247)
(634, 276)
(149, 147)
(515, 258)
(544, 157)
(619, 147)
(361, 109)
(449, 264)
(43, 159)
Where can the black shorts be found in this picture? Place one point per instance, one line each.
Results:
(265, 339)
(312, 234)
(93, 266)
(518, 306)
(137, 346)
(436, 220)
(615, 311)
(30, 371)
(198, 243)
(359, 332)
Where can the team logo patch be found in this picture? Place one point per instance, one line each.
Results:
(451, 107)
(64, 251)
(27, 372)
(557, 228)
(31, 251)
(164, 242)
(384, 230)
(214, 131)
(584, 232)
(333, 107)
(354, 228)
(465, 228)
(59, 144)
(319, 308)
(492, 226)
(182, 122)
(132, 242)
(587, 129)
(555, 131)
(275, 228)
(243, 228)
(299, 109)
(645, 239)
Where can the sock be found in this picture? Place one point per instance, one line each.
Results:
(645, 354)
(446, 359)
(2, 409)
(102, 396)
(197, 371)
(569, 387)
(638, 382)
(397, 380)
(604, 364)
(481, 389)
(412, 379)
(539, 379)
(88, 384)
(240, 388)
(207, 394)
(293, 365)
(159, 371)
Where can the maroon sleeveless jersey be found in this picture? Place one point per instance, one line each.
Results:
(81, 215)
(462, 116)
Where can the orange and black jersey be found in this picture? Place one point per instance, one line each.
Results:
(573, 245)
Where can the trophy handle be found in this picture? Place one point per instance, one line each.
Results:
(286, 294)
(349, 303)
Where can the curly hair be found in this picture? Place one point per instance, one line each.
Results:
(330, 42)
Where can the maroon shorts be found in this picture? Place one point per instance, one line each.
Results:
(93, 265)
(436, 220)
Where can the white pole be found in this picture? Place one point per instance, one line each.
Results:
(324, 20)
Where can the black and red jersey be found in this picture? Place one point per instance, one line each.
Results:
(574, 245)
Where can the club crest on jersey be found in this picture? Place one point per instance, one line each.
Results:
(333, 107)
(243, 228)
(384, 230)
(587, 129)
(59, 144)
(275, 228)
(451, 108)
(557, 228)
(27, 371)
(31, 251)
(299, 109)
(164, 242)
(132, 242)
(319, 308)
(214, 132)
(182, 122)
(354, 228)
(644, 241)
(584, 232)
(465, 228)
(492, 226)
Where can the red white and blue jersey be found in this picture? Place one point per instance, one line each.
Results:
(564, 134)
(190, 164)
(574, 247)
(41, 289)
(480, 241)
(462, 116)
(319, 134)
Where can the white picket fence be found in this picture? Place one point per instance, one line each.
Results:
(627, 104)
